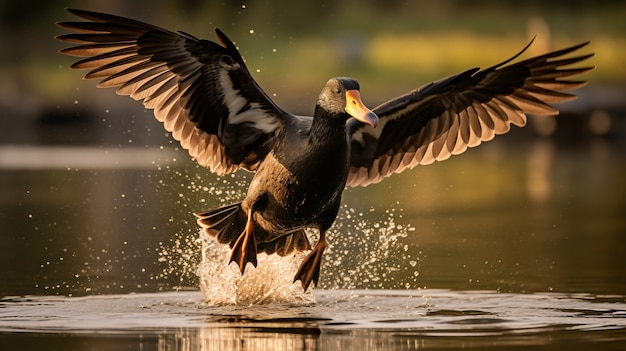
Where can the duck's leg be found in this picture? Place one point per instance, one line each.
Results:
(309, 270)
(244, 250)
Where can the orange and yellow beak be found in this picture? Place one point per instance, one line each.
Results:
(356, 109)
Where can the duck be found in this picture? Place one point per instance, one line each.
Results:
(207, 99)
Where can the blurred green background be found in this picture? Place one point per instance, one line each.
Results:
(293, 47)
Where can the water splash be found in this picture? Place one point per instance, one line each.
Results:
(270, 282)
(220, 282)
(180, 257)
(366, 250)
(380, 262)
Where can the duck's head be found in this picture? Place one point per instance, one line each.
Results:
(340, 96)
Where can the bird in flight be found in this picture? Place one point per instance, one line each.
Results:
(207, 99)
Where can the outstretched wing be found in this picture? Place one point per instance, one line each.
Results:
(200, 90)
(446, 117)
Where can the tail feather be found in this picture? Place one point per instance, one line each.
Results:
(296, 241)
(225, 223)
(228, 222)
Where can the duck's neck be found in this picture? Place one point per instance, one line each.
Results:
(328, 130)
(327, 148)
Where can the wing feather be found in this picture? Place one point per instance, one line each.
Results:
(200, 90)
(447, 117)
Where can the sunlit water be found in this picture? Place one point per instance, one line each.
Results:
(361, 319)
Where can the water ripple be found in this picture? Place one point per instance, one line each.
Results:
(427, 312)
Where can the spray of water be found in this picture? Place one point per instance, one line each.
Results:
(208, 261)
(366, 250)
(270, 282)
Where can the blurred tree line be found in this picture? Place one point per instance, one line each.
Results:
(29, 23)
(33, 13)
(29, 62)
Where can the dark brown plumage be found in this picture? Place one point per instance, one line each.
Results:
(206, 97)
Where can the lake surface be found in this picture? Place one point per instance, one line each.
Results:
(339, 319)
(518, 243)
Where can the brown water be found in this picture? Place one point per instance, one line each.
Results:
(354, 319)
(508, 245)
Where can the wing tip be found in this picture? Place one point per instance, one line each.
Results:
(223, 38)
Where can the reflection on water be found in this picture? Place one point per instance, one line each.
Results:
(359, 320)
(540, 161)
(83, 157)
